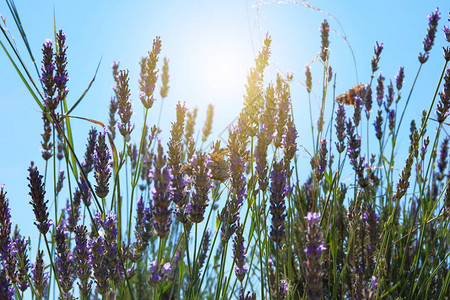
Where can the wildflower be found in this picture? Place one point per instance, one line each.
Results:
(47, 76)
(284, 288)
(380, 89)
(353, 143)
(391, 120)
(368, 101)
(149, 75)
(377, 124)
(190, 124)
(260, 155)
(64, 259)
(112, 119)
(289, 145)
(111, 259)
(208, 123)
(204, 249)
(37, 194)
(442, 162)
(99, 266)
(81, 257)
(73, 210)
(6, 289)
(239, 254)
(321, 160)
(143, 229)
(5, 223)
(283, 105)
(314, 249)
(102, 166)
(161, 191)
(324, 34)
(399, 78)
(443, 106)
(23, 264)
(165, 79)
(124, 108)
(89, 154)
(377, 50)
(340, 128)
(246, 296)
(38, 275)
(201, 174)
(308, 79)
(158, 272)
(357, 110)
(61, 76)
(278, 192)
(59, 183)
(390, 97)
(175, 156)
(428, 42)
(47, 146)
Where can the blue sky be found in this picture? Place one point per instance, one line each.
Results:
(210, 45)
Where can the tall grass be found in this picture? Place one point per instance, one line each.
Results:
(148, 220)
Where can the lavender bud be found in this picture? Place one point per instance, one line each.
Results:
(89, 154)
(47, 76)
(6, 289)
(340, 128)
(47, 146)
(149, 75)
(377, 50)
(443, 106)
(81, 257)
(308, 79)
(124, 104)
(400, 77)
(165, 79)
(38, 275)
(279, 189)
(377, 124)
(239, 254)
(428, 42)
(380, 89)
(208, 123)
(324, 34)
(195, 209)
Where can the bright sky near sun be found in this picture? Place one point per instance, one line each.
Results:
(211, 45)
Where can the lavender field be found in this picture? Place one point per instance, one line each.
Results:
(316, 182)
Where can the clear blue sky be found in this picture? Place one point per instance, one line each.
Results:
(199, 37)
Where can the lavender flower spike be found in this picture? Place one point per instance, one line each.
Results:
(428, 42)
(239, 254)
(5, 223)
(38, 275)
(279, 189)
(37, 194)
(47, 76)
(314, 249)
(102, 168)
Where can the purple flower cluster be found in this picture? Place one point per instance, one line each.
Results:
(88, 163)
(279, 189)
(340, 128)
(37, 194)
(239, 254)
(39, 276)
(64, 259)
(143, 229)
(375, 60)
(159, 272)
(324, 34)
(443, 106)
(161, 194)
(314, 249)
(428, 42)
(201, 177)
(102, 166)
(47, 146)
(124, 104)
(82, 259)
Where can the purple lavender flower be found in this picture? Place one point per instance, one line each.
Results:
(47, 76)
(279, 189)
(443, 106)
(89, 154)
(111, 260)
(23, 264)
(38, 276)
(5, 223)
(59, 183)
(428, 42)
(289, 144)
(175, 155)
(99, 266)
(442, 162)
(314, 249)
(284, 288)
(377, 124)
(260, 155)
(391, 120)
(161, 192)
(357, 111)
(204, 250)
(158, 272)
(201, 174)
(149, 75)
(37, 194)
(340, 128)
(73, 210)
(102, 169)
(321, 160)
(239, 254)
(124, 105)
(246, 296)
(283, 106)
(353, 144)
(64, 259)
(61, 76)
(324, 34)
(190, 124)
(81, 257)
(368, 101)
(380, 89)
(143, 229)
(377, 51)
(112, 119)
(399, 78)
(6, 289)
